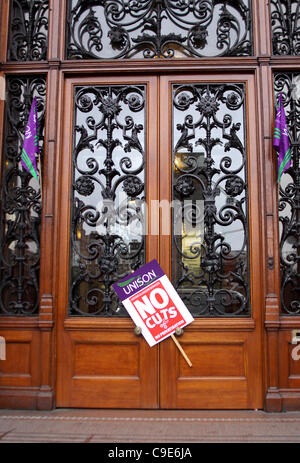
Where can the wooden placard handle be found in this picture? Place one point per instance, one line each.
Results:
(181, 350)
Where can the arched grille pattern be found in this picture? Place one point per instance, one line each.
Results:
(158, 28)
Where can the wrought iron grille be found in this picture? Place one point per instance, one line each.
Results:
(210, 212)
(21, 203)
(288, 83)
(158, 28)
(107, 222)
(285, 20)
(28, 34)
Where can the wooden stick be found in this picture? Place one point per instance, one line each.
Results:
(181, 350)
(40, 177)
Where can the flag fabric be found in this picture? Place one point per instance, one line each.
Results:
(281, 140)
(31, 142)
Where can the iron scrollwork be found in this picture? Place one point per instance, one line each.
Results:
(28, 30)
(285, 20)
(158, 28)
(107, 234)
(288, 83)
(21, 203)
(210, 218)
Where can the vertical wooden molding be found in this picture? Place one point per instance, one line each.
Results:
(269, 220)
(45, 398)
(57, 21)
(272, 299)
(271, 196)
(46, 394)
(262, 27)
(4, 22)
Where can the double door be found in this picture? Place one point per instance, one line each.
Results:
(160, 167)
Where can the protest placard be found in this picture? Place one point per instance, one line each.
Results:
(153, 303)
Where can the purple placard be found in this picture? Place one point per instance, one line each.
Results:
(138, 280)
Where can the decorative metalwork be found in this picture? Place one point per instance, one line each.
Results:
(28, 39)
(21, 203)
(107, 226)
(210, 223)
(285, 20)
(158, 28)
(288, 83)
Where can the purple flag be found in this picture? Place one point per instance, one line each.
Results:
(281, 140)
(31, 142)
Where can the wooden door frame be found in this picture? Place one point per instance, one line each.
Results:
(156, 246)
(40, 391)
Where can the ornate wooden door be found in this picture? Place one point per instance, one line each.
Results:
(108, 148)
(161, 167)
(209, 155)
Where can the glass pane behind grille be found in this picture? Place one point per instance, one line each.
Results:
(158, 29)
(28, 30)
(107, 227)
(210, 222)
(285, 21)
